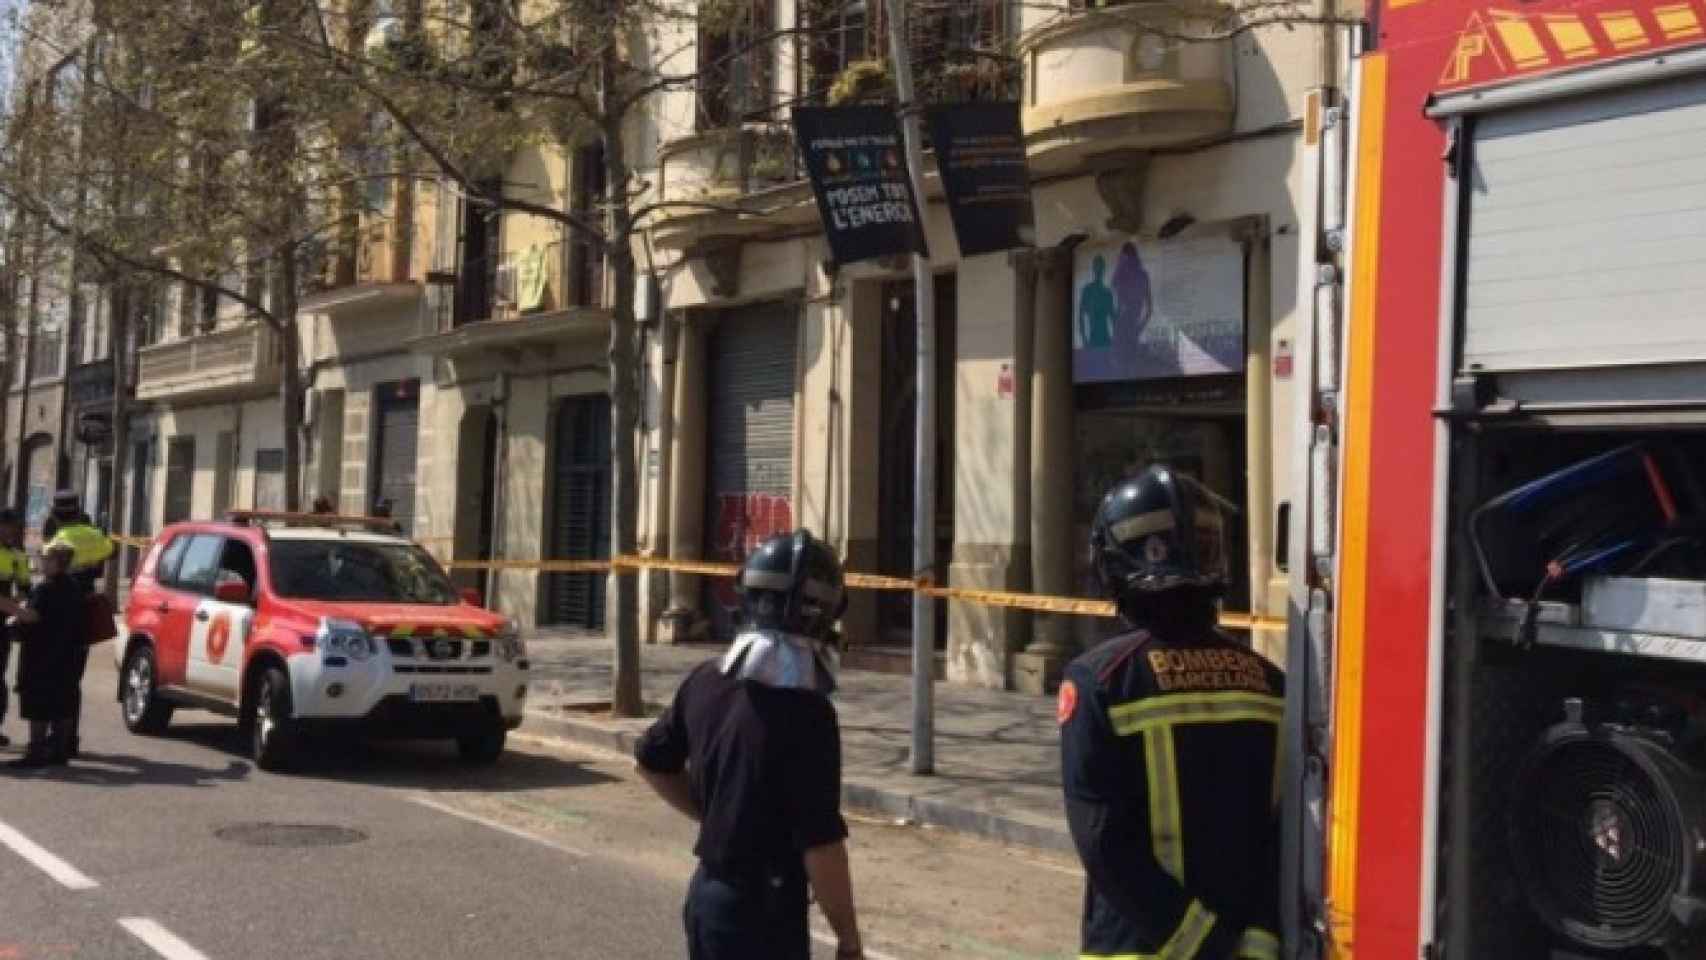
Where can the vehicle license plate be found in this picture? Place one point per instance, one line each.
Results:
(443, 692)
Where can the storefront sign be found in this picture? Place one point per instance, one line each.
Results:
(980, 150)
(859, 175)
(1143, 310)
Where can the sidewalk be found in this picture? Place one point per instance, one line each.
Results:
(997, 760)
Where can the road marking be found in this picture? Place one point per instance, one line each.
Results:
(160, 940)
(67, 875)
(828, 939)
(495, 825)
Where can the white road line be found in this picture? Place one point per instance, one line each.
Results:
(828, 939)
(67, 875)
(495, 825)
(160, 940)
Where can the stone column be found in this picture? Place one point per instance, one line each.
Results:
(1037, 670)
(656, 453)
(683, 618)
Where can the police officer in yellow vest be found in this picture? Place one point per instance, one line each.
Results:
(14, 582)
(68, 525)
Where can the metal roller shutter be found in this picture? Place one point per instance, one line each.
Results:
(580, 504)
(1587, 232)
(750, 447)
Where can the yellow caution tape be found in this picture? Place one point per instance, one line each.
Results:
(1008, 599)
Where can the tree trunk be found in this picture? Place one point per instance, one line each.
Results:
(120, 512)
(290, 377)
(622, 594)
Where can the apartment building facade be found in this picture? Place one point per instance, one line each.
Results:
(1166, 173)
(454, 357)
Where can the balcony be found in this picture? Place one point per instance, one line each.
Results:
(543, 295)
(382, 266)
(753, 169)
(1113, 80)
(229, 363)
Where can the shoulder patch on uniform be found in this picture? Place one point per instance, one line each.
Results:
(1066, 702)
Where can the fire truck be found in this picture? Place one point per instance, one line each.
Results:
(1497, 636)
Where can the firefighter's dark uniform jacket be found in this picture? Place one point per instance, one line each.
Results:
(1169, 753)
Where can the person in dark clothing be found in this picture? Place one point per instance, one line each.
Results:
(14, 582)
(53, 625)
(68, 525)
(1169, 743)
(751, 750)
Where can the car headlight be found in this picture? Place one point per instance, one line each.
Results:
(343, 638)
(510, 645)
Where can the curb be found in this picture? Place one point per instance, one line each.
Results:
(865, 797)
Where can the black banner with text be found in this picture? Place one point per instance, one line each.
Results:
(980, 150)
(858, 168)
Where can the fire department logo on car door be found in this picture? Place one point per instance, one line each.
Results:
(218, 637)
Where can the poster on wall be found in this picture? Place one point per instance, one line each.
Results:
(980, 151)
(858, 172)
(1143, 310)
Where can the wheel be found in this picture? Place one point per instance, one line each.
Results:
(483, 748)
(144, 711)
(273, 730)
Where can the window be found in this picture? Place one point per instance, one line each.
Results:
(46, 350)
(840, 37)
(735, 67)
(237, 561)
(586, 257)
(166, 569)
(358, 571)
(200, 565)
(269, 479)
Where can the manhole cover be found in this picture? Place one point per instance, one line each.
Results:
(289, 835)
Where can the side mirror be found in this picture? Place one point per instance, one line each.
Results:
(231, 591)
(472, 597)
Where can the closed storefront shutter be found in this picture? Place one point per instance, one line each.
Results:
(580, 510)
(1586, 232)
(750, 447)
(397, 424)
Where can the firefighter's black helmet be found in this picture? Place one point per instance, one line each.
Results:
(1160, 531)
(792, 582)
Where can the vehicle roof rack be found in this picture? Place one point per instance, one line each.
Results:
(285, 518)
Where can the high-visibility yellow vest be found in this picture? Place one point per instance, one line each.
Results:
(89, 546)
(15, 568)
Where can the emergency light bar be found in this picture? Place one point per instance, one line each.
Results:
(285, 518)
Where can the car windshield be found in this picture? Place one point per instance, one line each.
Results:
(356, 571)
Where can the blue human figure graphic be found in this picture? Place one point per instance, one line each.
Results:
(1096, 310)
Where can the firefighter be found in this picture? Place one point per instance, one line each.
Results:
(1169, 737)
(67, 526)
(751, 750)
(14, 583)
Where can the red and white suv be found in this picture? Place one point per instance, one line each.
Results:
(294, 629)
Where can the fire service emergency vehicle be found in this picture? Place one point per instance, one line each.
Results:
(1497, 648)
(297, 625)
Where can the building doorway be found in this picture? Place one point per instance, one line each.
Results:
(580, 510)
(896, 477)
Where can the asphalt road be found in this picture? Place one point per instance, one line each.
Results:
(177, 847)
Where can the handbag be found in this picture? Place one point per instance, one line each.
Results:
(102, 625)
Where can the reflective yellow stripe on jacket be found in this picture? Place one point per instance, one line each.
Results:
(1258, 945)
(1155, 719)
(1182, 945)
(90, 547)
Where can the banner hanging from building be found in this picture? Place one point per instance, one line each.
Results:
(1143, 310)
(858, 170)
(980, 151)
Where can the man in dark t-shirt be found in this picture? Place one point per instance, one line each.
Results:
(751, 750)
